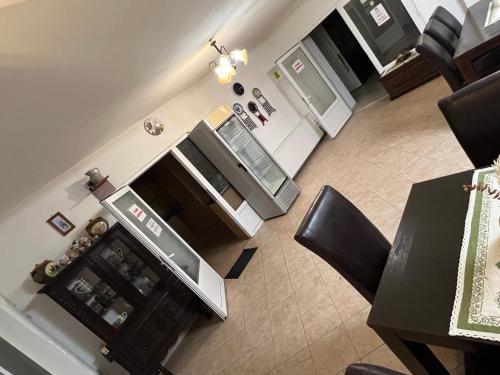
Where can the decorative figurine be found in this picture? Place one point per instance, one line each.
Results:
(263, 101)
(43, 272)
(96, 178)
(97, 227)
(153, 126)
(252, 106)
(247, 120)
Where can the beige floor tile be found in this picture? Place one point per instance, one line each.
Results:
(288, 341)
(257, 326)
(300, 364)
(319, 321)
(365, 339)
(312, 294)
(216, 359)
(284, 314)
(235, 322)
(260, 359)
(383, 356)
(279, 290)
(345, 298)
(307, 272)
(333, 352)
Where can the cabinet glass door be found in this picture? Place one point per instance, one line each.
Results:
(100, 297)
(163, 242)
(241, 141)
(130, 266)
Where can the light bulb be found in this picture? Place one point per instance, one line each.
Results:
(240, 55)
(225, 70)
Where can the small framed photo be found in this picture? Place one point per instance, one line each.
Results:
(61, 223)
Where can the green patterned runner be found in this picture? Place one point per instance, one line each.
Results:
(476, 311)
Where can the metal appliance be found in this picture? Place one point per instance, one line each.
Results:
(242, 159)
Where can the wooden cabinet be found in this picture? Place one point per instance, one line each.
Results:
(122, 293)
(399, 79)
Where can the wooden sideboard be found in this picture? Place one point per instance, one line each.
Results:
(402, 78)
(122, 293)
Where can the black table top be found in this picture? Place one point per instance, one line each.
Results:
(474, 34)
(417, 289)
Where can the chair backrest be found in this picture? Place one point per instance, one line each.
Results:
(338, 232)
(442, 34)
(441, 60)
(473, 114)
(442, 15)
(366, 369)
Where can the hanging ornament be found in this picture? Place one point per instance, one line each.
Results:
(252, 106)
(265, 103)
(238, 109)
(153, 126)
(238, 89)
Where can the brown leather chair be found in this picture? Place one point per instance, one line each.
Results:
(338, 232)
(442, 15)
(442, 34)
(366, 369)
(441, 59)
(473, 114)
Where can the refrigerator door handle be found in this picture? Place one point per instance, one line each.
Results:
(242, 167)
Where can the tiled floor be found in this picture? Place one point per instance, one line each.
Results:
(290, 312)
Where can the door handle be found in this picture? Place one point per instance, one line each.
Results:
(242, 167)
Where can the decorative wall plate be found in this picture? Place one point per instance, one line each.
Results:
(153, 126)
(238, 88)
(252, 106)
(245, 118)
(263, 101)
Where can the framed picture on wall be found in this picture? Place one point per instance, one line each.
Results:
(61, 223)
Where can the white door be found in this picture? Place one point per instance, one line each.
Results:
(170, 249)
(316, 90)
(244, 215)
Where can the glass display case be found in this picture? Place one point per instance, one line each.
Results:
(123, 294)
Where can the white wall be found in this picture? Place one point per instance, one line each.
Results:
(19, 332)
(25, 238)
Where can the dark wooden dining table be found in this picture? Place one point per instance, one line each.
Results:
(478, 50)
(414, 300)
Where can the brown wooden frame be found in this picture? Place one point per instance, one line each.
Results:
(50, 221)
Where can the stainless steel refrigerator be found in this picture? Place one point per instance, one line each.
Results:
(241, 158)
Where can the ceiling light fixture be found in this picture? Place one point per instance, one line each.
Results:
(225, 67)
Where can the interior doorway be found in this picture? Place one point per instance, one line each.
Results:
(349, 60)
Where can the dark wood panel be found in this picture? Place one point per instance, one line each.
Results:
(408, 76)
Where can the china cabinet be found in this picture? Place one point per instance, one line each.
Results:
(122, 293)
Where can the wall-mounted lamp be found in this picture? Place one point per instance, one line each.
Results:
(225, 67)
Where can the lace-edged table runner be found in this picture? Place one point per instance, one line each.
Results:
(476, 310)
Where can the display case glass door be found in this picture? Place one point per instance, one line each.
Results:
(172, 251)
(100, 297)
(252, 154)
(216, 185)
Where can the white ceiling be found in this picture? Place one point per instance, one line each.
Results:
(75, 73)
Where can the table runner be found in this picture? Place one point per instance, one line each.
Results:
(476, 310)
